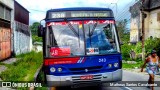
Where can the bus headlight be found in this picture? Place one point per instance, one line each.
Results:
(52, 69)
(110, 65)
(115, 64)
(59, 69)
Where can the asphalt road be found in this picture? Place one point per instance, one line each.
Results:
(127, 76)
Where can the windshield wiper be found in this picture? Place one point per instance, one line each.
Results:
(74, 31)
(91, 32)
(90, 36)
(95, 25)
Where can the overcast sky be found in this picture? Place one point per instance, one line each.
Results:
(38, 8)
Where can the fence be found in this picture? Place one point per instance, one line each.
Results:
(22, 38)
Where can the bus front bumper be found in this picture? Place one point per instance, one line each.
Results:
(70, 80)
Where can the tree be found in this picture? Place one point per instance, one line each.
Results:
(34, 27)
(123, 31)
(34, 30)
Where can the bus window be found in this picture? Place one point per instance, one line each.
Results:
(102, 39)
(69, 40)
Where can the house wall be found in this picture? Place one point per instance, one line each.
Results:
(8, 3)
(135, 25)
(134, 32)
(151, 26)
(21, 14)
(154, 24)
(22, 38)
(146, 25)
(6, 19)
(151, 23)
(22, 33)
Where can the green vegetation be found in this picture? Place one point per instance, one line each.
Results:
(36, 39)
(125, 48)
(138, 64)
(123, 30)
(24, 69)
(34, 30)
(149, 45)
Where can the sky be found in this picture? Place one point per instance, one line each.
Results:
(38, 8)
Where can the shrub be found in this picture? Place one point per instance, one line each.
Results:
(126, 50)
(149, 45)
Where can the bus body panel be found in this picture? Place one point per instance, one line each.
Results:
(83, 68)
(71, 80)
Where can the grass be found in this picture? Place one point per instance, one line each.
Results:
(23, 69)
(132, 66)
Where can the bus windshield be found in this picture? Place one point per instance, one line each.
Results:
(75, 38)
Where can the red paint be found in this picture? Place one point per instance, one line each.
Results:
(84, 60)
(56, 61)
(80, 22)
(60, 51)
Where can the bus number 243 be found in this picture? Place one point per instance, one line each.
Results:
(102, 60)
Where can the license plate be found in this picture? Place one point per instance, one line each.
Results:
(87, 77)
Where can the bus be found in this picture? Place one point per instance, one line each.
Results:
(80, 46)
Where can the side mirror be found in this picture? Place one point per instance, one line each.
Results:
(40, 30)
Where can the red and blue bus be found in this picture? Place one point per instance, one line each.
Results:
(80, 46)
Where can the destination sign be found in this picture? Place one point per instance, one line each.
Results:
(79, 14)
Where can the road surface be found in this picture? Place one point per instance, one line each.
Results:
(127, 76)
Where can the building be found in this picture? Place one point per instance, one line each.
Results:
(15, 36)
(6, 19)
(21, 33)
(151, 22)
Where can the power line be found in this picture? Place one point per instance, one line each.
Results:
(125, 10)
(37, 10)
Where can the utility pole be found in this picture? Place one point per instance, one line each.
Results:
(116, 8)
(143, 31)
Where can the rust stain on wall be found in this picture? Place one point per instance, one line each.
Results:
(5, 43)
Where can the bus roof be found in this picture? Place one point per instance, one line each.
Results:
(80, 9)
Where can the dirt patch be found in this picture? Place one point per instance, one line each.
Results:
(9, 61)
(2, 68)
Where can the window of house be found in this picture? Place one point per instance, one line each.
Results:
(158, 16)
(5, 13)
(2, 11)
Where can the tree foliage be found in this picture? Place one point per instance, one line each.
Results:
(34, 30)
(123, 30)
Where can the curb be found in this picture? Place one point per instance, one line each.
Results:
(35, 77)
(37, 73)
